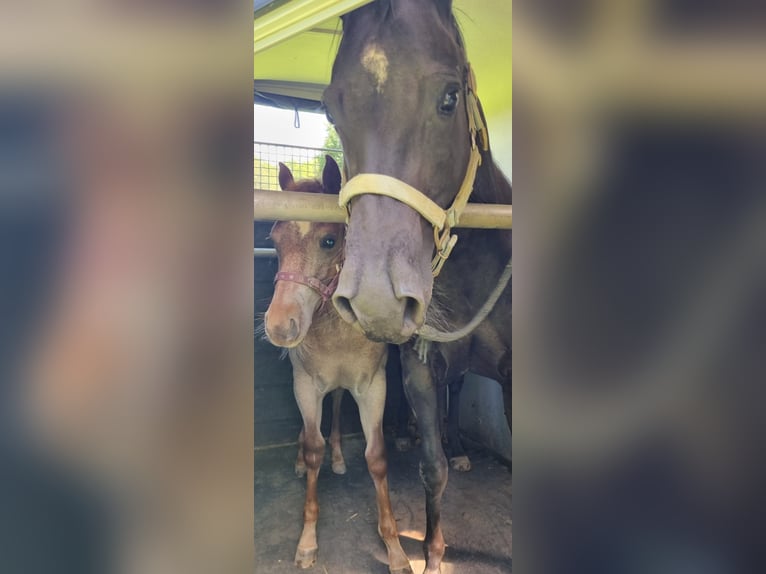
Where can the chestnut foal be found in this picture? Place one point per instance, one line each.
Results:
(327, 354)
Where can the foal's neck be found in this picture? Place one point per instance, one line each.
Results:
(327, 329)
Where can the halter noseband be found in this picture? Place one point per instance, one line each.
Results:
(325, 291)
(442, 220)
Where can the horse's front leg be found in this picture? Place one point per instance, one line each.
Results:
(506, 376)
(394, 383)
(458, 459)
(421, 393)
(371, 405)
(310, 404)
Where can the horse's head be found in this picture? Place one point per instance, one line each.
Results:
(309, 259)
(398, 99)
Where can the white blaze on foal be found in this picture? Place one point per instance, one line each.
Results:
(303, 228)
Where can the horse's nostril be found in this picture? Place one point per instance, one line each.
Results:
(414, 313)
(293, 333)
(343, 306)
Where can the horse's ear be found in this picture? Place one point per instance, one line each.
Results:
(331, 175)
(445, 7)
(285, 176)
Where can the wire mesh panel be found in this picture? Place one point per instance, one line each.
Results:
(304, 162)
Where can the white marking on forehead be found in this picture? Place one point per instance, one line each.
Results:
(303, 228)
(374, 61)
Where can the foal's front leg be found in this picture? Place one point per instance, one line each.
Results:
(421, 393)
(310, 404)
(338, 464)
(371, 405)
(300, 463)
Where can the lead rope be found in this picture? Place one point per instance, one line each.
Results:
(427, 334)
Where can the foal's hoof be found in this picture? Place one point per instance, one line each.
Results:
(339, 467)
(403, 444)
(300, 469)
(460, 463)
(305, 558)
(402, 570)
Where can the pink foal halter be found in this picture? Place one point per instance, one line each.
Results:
(325, 291)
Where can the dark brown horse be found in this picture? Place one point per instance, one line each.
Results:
(326, 355)
(403, 101)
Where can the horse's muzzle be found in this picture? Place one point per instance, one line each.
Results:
(285, 334)
(390, 319)
(289, 315)
(385, 286)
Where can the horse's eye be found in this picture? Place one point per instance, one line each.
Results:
(449, 101)
(327, 242)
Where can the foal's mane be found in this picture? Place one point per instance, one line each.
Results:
(307, 186)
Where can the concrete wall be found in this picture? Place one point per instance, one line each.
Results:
(482, 417)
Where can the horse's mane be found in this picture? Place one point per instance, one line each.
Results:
(386, 14)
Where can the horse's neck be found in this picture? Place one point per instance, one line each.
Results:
(491, 185)
(491, 248)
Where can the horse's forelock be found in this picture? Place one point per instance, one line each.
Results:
(386, 11)
(307, 186)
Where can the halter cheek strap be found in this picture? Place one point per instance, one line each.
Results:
(442, 220)
(325, 291)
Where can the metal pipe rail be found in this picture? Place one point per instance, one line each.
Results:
(264, 252)
(299, 206)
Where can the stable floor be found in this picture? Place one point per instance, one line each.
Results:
(476, 516)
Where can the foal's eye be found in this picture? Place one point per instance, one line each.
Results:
(449, 100)
(327, 242)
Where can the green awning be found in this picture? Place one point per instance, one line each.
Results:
(305, 58)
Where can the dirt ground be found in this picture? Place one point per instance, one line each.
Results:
(476, 515)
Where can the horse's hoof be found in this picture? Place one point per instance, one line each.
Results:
(398, 563)
(305, 558)
(339, 467)
(403, 444)
(460, 463)
(300, 470)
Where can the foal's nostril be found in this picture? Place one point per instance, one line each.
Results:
(414, 313)
(344, 309)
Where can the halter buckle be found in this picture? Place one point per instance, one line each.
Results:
(444, 245)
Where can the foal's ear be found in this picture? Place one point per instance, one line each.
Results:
(285, 176)
(331, 176)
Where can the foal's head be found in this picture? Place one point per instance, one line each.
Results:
(310, 255)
